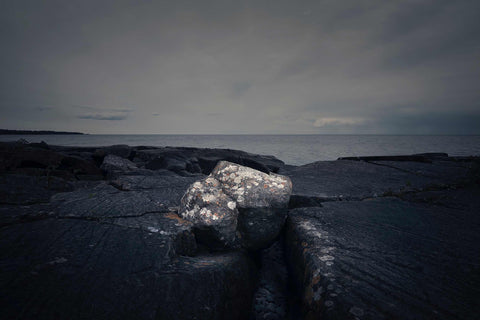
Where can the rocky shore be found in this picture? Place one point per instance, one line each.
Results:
(111, 233)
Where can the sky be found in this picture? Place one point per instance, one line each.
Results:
(241, 67)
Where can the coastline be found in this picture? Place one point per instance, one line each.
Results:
(104, 220)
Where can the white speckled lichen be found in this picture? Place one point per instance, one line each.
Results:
(251, 188)
(214, 201)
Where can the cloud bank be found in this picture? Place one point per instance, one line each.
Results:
(399, 67)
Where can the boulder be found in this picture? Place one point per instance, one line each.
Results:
(213, 213)
(119, 150)
(238, 205)
(252, 188)
(114, 165)
(261, 200)
(196, 160)
(387, 258)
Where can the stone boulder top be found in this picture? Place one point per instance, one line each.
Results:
(219, 204)
(252, 188)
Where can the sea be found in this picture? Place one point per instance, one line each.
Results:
(292, 149)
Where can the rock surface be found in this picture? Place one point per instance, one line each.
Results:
(395, 250)
(213, 213)
(114, 166)
(213, 205)
(366, 237)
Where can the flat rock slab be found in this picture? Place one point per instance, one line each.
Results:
(79, 269)
(356, 180)
(23, 190)
(138, 195)
(388, 258)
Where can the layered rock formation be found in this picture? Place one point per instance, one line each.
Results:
(100, 233)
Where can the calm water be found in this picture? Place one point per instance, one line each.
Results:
(292, 149)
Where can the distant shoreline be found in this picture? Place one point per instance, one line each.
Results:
(35, 132)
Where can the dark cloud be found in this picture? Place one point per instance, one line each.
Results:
(240, 66)
(98, 116)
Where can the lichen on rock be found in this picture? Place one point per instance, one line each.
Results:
(231, 196)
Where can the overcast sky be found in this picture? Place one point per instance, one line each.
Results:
(276, 67)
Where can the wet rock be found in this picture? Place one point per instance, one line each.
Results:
(114, 165)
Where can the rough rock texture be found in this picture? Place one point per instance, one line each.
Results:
(271, 297)
(357, 180)
(194, 160)
(213, 213)
(74, 244)
(252, 188)
(395, 250)
(79, 269)
(261, 199)
(386, 258)
(119, 150)
(23, 189)
(114, 166)
(73, 248)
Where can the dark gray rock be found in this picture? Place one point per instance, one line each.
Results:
(105, 201)
(271, 296)
(197, 160)
(80, 167)
(164, 180)
(387, 258)
(260, 227)
(15, 214)
(114, 166)
(22, 189)
(119, 150)
(355, 180)
(77, 269)
(16, 156)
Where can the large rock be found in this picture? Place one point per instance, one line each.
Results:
(387, 258)
(119, 150)
(374, 177)
(114, 165)
(252, 188)
(258, 199)
(23, 189)
(125, 268)
(212, 211)
(195, 160)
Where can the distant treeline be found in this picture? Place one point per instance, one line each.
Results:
(5, 131)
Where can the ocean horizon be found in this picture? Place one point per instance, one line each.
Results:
(292, 149)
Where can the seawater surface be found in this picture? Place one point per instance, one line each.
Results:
(292, 149)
